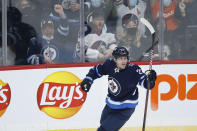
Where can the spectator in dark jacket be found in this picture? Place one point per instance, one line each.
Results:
(46, 49)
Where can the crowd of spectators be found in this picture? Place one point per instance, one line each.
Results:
(47, 31)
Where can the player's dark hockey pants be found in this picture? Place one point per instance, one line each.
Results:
(114, 119)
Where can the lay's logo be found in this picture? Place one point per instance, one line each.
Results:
(5, 96)
(60, 95)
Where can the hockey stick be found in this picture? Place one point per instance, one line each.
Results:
(151, 29)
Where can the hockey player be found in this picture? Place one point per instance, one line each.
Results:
(122, 97)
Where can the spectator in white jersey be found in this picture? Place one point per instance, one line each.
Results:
(99, 44)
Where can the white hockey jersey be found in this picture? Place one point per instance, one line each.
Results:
(95, 44)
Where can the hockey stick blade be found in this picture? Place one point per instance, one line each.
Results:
(148, 25)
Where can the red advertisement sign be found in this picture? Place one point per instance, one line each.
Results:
(60, 95)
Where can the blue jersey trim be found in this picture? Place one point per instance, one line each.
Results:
(121, 105)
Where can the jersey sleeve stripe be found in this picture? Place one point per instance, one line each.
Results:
(97, 72)
(89, 78)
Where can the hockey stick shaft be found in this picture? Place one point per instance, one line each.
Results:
(145, 110)
(147, 92)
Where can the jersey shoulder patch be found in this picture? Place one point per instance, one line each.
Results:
(133, 66)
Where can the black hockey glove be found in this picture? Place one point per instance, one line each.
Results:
(151, 77)
(86, 84)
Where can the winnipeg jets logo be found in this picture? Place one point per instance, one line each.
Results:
(100, 45)
(50, 53)
(114, 86)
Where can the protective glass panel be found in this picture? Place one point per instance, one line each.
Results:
(6, 46)
(19, 32)
(173, 38)
(179, 28)
(156, 7)
(1, 55)
(44, 32)
(116, 23)
(52, 31)
(189, 29)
